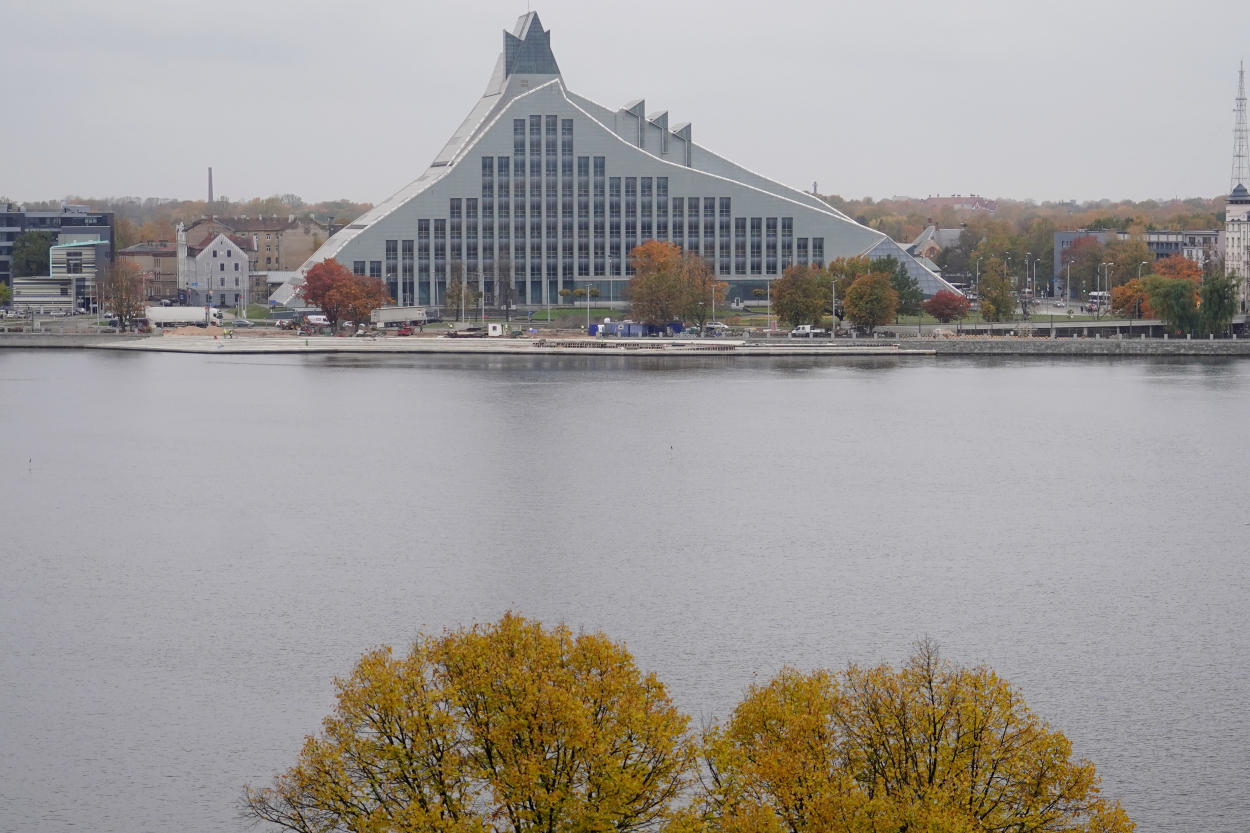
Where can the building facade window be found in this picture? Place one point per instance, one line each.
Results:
(757, 240)
(802, 256)
(359, 267)
(471, 237)
(661, 208)
(440, 259)
(818, 252)
(392, 267)
(614, 225)
(740, 245)
(631, 221)
(375, 269)
(423, 262)
(583, 216)
(600, 222)
(726, 218)
(679, 221)
(770, 245)
(787, 242)
(692, 224)
(645, 197)
(456, 230)
(709, 232)
(407, 272)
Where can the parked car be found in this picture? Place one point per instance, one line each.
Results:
(243, 322)
(806, 331)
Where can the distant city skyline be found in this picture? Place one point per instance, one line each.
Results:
(1071, 102)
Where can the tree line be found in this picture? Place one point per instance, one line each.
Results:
(514, 727)
(903, 219)
(671, 285)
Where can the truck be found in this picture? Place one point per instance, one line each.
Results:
(181, 316)
(807, 331)
(400, 316)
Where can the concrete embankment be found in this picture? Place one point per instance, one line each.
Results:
(67, 340)
(1079, 346)
(965, 346)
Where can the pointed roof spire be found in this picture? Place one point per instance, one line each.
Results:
(527, 49)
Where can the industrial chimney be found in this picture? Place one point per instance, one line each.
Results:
(210, 184)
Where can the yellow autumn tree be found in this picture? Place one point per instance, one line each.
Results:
(506, 727)
(927, 748)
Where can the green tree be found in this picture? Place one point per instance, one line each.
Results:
(30, 253)
(998, 303)
(1127, 255)
(6, 293)
(909, 295)
(871, 301)
(1174, 301)
(800, 296)
(1218, 297)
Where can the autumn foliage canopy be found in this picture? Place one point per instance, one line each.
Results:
(508, 727)
(947, 306)
(517, 728)
(930, 746)
(341, 294)
(671, 284)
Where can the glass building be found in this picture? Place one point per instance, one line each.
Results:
(542, 190)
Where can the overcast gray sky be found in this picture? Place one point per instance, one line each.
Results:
(1058, 100)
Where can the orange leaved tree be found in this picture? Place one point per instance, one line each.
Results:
(342, 295)
(1176, 266)
(930, 747)
(1129, 300)
(505, 727)
(670, 285)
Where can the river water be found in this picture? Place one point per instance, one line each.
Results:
(193, 547)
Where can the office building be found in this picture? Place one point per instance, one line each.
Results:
(71, 224)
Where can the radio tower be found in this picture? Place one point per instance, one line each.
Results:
(1241, 144)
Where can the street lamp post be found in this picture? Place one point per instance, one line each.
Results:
(833, 317)
(1024, 288)
(1006, 274)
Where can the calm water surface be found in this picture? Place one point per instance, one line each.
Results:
(191, 547)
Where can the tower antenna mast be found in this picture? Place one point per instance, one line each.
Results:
(1241, 142)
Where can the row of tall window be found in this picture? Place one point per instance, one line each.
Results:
(532, 202)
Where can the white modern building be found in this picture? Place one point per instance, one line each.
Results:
(215, 274)
(556, 190)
